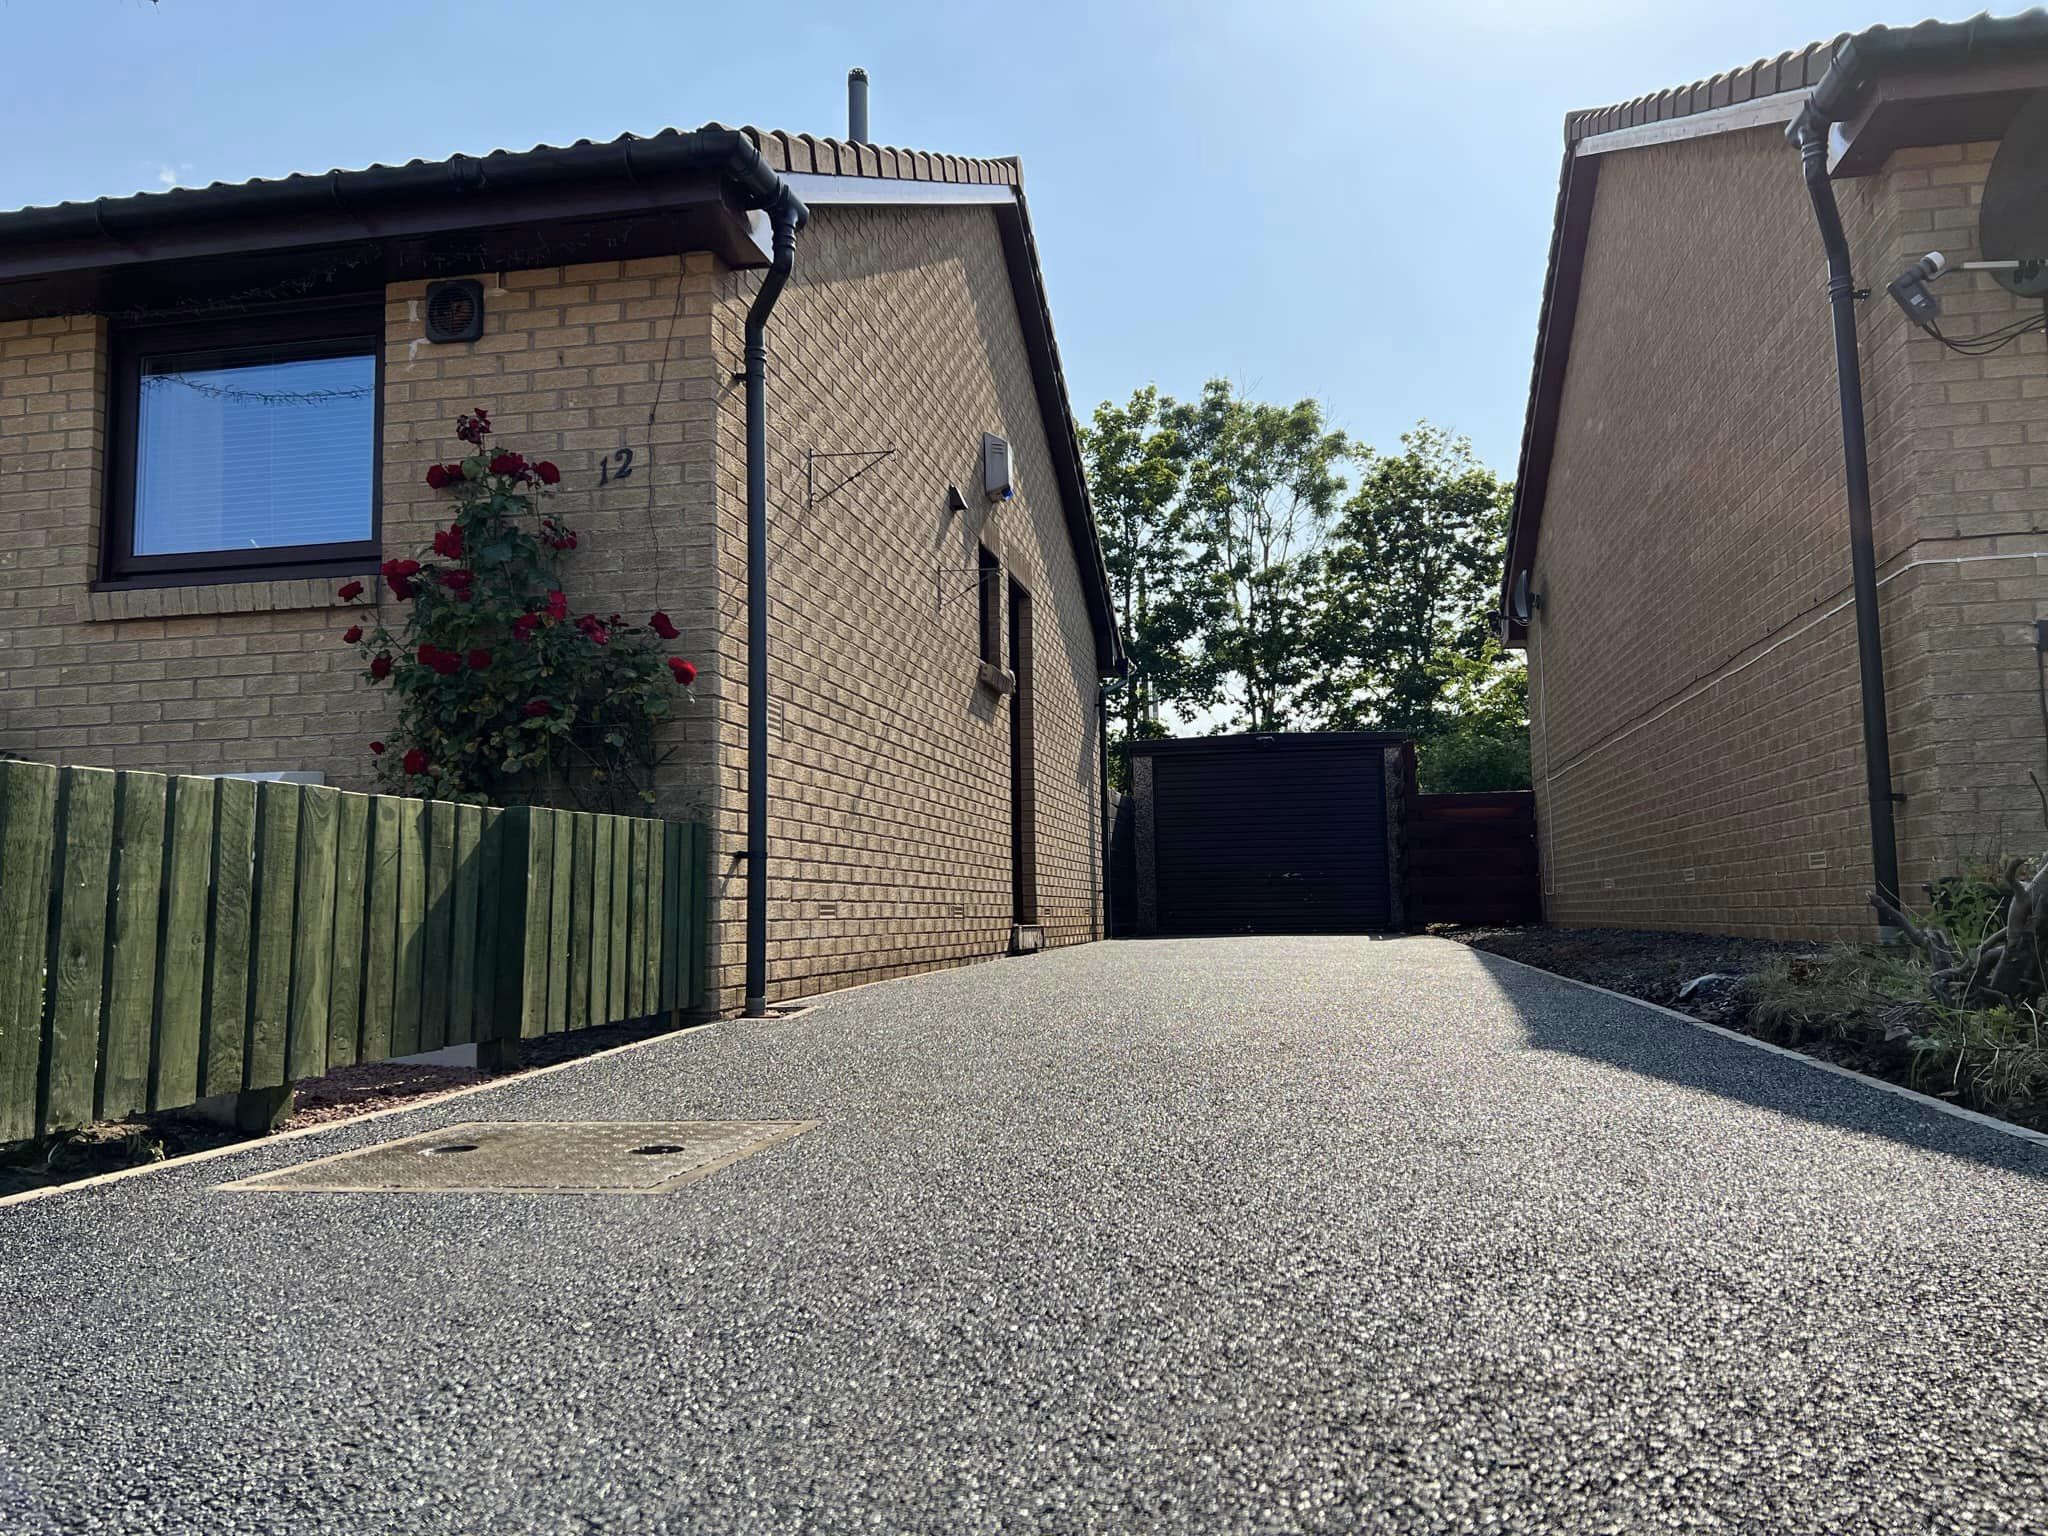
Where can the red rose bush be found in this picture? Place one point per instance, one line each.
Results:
(503, 692)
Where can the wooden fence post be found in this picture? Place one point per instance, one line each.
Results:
(28, 815)
(524, 849)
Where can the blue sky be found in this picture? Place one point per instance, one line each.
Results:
(1350, 201)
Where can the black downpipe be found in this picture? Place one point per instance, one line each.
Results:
(787, 216)
(1811, 137)
(1108, 824)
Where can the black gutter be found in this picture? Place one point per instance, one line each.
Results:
(1809, 133)
(725, 151)
(1860, 61)
(788, 216)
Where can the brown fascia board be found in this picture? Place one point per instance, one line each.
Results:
(1842, 77)
(1559, 310)
(1062, 435)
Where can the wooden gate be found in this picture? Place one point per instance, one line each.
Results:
(1472, 859)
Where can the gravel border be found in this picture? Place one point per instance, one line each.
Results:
(1926, 1101)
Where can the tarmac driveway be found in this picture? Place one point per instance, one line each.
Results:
(1261, 1235)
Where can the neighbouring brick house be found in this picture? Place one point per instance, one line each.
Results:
(616, 282)
(1680, 513)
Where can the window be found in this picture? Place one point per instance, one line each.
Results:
(245, 447)
(991, 608)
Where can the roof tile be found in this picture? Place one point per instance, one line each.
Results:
(773, 150)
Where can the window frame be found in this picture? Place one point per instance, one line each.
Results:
(989, 579)
(344, 329)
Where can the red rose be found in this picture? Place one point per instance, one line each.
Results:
(686, 673)
(441, 663)
(558, 607)
(513, 464)
(352, 634)
(546, 473)
(665, 627)
(524, 626)
(473, 428)
(400, 574)
(416, 761)
(380, 667)
(479, 659)
(437, 477)
(457, 579)
(593, 629)
(377, 748)
(350, 591)
(448, 543)
(538, 707)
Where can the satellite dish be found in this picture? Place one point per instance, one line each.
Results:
(1524, 602)
(2013, 222)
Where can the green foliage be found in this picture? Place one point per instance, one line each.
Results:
(1874, 1005)
(1263, 485)
(1259, 590)
(503, 693)
(1402, 633)
(1137, 470)
(1970, 906)
(1465, 757)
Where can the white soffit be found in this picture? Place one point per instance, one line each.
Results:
(820, 191)
(1762, 113)
(877, 191)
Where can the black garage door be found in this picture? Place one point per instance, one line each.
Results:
(1271, 834)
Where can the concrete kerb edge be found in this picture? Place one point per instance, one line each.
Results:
(798, 1008)
(1925, 1101)
(424, 1101)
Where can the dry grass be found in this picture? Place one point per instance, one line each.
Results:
(1876, 1006)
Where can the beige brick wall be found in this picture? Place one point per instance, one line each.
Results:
(1697, 726)
(192, 679)
(252, 675)
(891, 765)
(576, 364)
(892, 790)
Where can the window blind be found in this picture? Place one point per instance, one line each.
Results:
(257, 456)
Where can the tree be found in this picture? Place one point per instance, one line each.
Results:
(1402, 628)
(1263, 485)
(1137, 470)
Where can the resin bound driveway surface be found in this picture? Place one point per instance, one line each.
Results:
(1259, 1235)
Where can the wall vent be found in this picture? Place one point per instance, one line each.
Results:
(455, 310)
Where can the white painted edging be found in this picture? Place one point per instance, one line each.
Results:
(2003, 1127)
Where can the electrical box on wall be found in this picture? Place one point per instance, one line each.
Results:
(998, 480)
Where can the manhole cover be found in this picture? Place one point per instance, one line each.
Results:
(540, 1157)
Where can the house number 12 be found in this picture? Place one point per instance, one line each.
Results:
(615, 466)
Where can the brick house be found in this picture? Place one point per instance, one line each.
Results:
(1680, 566)
(918, 814)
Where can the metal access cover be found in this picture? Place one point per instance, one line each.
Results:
(539, 1157)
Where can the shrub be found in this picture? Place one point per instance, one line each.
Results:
(1466, 759)
(504, 691)
(1875, 1003)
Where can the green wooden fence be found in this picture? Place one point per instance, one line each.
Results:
(163, 939)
